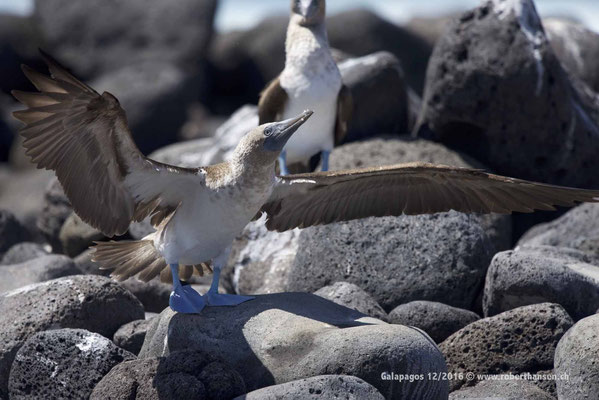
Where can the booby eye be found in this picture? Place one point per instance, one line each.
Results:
(268, 131)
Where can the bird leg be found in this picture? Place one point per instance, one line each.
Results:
(183, 298)
(283, 164)
(325, 160)
(215, 299)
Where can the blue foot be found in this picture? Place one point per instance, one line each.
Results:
(186, 300)
(219, 300)
(325, 160)
(283, 164)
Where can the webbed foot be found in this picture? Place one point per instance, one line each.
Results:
(283, 171)
(220, 300)
(186, 300)
(325, 160)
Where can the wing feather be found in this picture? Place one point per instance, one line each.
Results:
(345, 108)
(83, 136)
(272, 102)
(304, 200)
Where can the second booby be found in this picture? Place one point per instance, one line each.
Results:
(83, 136)
(310, 80)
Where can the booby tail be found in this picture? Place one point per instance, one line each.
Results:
(130, 258)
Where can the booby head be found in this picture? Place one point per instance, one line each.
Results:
(262, 145)
(308, 12)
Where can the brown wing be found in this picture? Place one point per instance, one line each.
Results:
(418, 188)
(345, 107)
(272, 102)
(83, 136)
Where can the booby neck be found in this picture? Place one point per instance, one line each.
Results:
(249, 166)
(308, 58)
(305, 42)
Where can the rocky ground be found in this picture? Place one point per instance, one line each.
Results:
(398, 307)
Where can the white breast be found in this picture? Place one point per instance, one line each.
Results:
(312, 81)
(203, 228)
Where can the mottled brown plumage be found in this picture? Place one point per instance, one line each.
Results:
(272, 102)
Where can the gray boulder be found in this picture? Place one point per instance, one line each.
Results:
(577, 47)
(501, 390)
(87, 302)
(56, 208)
(154, 295)
(35, 271)
(260, 260)
(95, 36)
(380, 95)
(156, 111)
(87, 266)
(24, 251)
(496, 61)
(577, 229)
(516, 341)
(313, 258)
(63, 363)
(325, 387)
(19, 41)
(11, 231)
(6, 134)
(181, 375)
(404, 149)
(76, 236)
(576, 357)
(438, 320)
(352, 296)
(22, 192)
(211, 150)
(361, 32)
(540, 274)
(430, 28)
(441, 257)
(131, 335)
(284, 337)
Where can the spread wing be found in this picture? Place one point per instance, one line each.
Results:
(345, 107)
(304, 200)
(272, 102)
(83, 136)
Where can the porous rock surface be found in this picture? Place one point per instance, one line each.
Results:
(93, 303)
(180, 375)
(577, 360)
(519, 340)
(352, 296)
(537, 274)
(438, 320)
(496, 61)
(38, 270)
(284, 337)
(501, 390)
(325, 387)
(63, 363)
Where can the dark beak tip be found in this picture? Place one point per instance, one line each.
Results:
(307, 114)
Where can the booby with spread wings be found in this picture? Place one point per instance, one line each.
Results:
(83, 136)
(310, 80)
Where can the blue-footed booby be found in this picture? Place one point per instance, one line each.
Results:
(83, 136)
(310, 80)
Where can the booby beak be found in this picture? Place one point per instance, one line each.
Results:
(278, 133)
(307, 9)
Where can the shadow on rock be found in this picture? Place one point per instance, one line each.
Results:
(283, 337)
